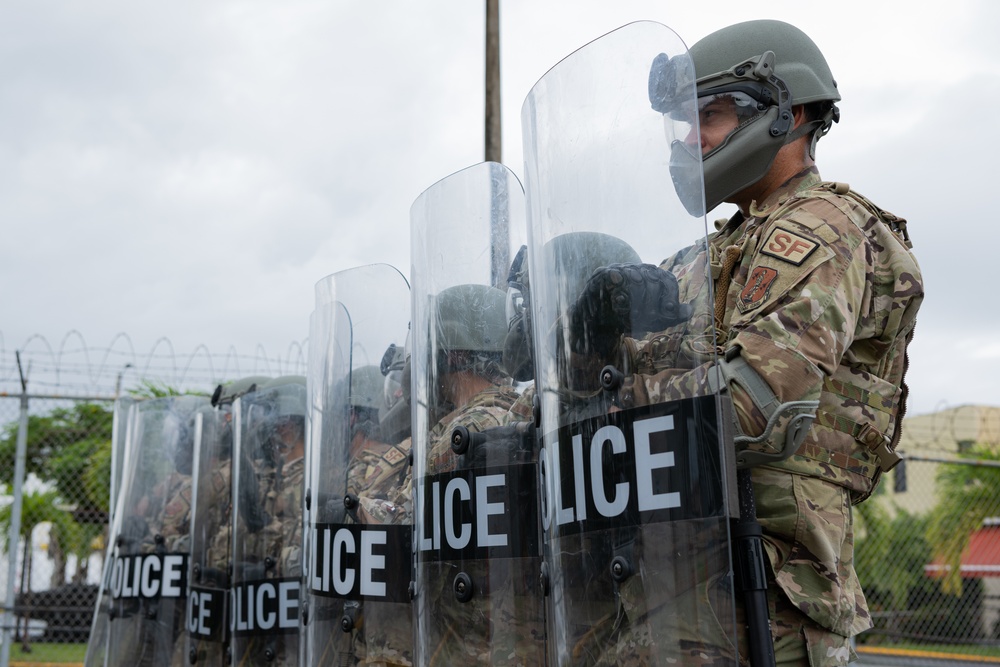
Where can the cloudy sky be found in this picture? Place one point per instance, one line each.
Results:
(189, 170)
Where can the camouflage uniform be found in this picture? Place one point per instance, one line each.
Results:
(821, 302)
(376, 463)
(218, 527)
(382, 477)
(512, 607)
(175, 524)
(281, 488)
(283, 503)
(389, 498)
(214, 513)
(175, 528)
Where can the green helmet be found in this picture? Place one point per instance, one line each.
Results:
(574, 257)
(766, 67)
(367, 387)
(471, 318)
(285, 395)
(228, 392)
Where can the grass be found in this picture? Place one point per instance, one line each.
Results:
(48, 653)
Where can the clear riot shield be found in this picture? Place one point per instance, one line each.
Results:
(358, 559)
(210, 564)
(98, 641)
(635, 474)
(268, 484)
(149, 547)
(476, 535)
(121, 419)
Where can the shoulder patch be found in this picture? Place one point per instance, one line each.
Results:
(787, 246)
(757, 289)
(394, 456)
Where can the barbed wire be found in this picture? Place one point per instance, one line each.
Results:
(75, 368)
(950, 430)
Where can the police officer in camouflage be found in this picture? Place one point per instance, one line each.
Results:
(815, 296)
(267, 538)
(500, 622)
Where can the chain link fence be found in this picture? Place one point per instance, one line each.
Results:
(63, 520)
(64, 399)
(928, 543)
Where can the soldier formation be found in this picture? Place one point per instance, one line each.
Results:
(586, 432)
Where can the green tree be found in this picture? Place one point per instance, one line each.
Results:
(69, 450)
(60, 445)
(969, 494)
(36, 507)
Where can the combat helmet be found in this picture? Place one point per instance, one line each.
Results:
(471, 318)
(366, 399)
(471, 325)
(574, 257)
(766, 67)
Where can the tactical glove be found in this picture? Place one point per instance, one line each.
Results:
(630, 299)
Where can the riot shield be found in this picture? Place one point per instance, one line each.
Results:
(149, 547)
(267, 488)
(121, 419)
(97, 644)
(358, 562)
(476, 530)
(636, 477)
(211, 548)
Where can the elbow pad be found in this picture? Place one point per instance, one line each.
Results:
(787, 423)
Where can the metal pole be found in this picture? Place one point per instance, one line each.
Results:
(500, 213)
(15, 519)
(493, 146)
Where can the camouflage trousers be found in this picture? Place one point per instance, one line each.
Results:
(668, 636)
(502, 625)
(387, 635)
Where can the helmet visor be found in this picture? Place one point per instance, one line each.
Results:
(721, 113)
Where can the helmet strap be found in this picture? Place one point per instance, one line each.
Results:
(818, 127)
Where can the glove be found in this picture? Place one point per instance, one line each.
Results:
(500, 445)
(630, 299)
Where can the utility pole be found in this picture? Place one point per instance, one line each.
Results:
(493, 152)
(500, 210)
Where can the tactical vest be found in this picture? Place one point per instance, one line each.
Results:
(857, 427)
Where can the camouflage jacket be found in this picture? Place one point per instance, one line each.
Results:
(374, 464)
(822, 303)
(279, 541)
(389, 500)
(212, 517)
(175, 517)
(487, 409)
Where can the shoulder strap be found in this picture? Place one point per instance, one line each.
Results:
(892, 221)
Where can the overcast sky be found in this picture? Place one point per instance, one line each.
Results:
(191, 169)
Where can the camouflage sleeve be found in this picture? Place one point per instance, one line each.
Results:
(176, 516)
(792, 320)
(388, 499)
(479, 418)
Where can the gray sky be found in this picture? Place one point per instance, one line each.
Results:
(189, 170)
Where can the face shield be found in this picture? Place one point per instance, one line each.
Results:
(743, 117)
(517, 288)
(392, 366)
(720, 113)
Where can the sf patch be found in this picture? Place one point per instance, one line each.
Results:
(393, 456)
(757, 288)
(788, 247)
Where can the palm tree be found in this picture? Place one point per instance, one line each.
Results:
(36, 508)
